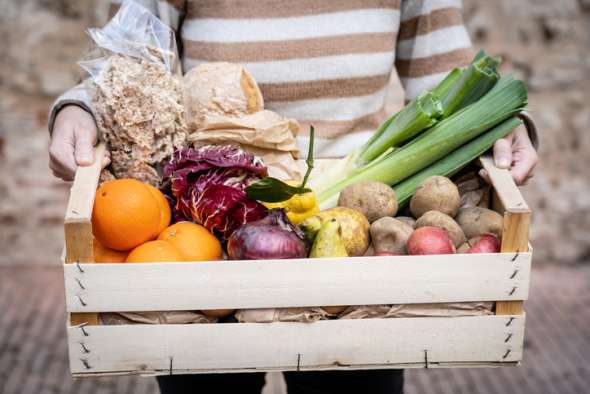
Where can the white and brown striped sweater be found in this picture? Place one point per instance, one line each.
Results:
(324, 62)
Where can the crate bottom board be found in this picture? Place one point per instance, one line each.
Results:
(473, 341)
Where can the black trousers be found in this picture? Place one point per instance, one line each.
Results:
(383, 381)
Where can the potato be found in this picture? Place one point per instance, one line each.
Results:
(477, 221)
(439, 219)
(373, 199)
(436, 193)
(407, 220)
(390, 235)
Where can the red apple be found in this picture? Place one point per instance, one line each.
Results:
(486, 243)
(430, 240)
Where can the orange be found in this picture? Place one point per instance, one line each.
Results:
(154, 252)
(102, 254)
(194, 241)
(164, 207)
(125, 214)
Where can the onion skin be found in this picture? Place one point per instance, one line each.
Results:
(273, 237)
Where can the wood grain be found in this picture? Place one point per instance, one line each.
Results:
(517, 214)
(78, 222)
(298, 282)
(337, 344)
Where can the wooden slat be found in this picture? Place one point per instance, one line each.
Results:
(78, 226)
(78, 222)
(303, 282)
(345, 344)
(515, 233)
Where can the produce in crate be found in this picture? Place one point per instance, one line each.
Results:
(407, 220)
(436, 193)
(165, 211)
(154, 252)
(102, 254)
(328, 241)
(127, 213)
(355, 228)
(273, 237)
(390, 235)
(299, 207)
(486, 243)
(373, 199)
(430, 240)
(469, 103)
(441, 220)
(477, 221)
(207, 185)
(193, 241)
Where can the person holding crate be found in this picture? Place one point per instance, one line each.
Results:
(323, 62)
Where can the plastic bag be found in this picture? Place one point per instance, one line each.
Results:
(135, 32)
(136, 92)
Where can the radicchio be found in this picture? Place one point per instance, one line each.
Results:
(208, 185)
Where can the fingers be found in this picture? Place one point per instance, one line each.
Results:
(85, 139)
(61, 155)
(524, 165)
(503, 152)
(525, 157)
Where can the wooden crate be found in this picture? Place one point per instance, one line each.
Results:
(419, 342)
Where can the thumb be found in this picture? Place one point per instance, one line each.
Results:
(85, 141)
(503, 153)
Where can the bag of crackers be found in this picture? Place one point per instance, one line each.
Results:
(136, 91)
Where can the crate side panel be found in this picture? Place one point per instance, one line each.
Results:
(288, 283)
(353, 344)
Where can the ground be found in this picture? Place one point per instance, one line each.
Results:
(33, 349)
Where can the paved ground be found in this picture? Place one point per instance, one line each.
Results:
(33, 358)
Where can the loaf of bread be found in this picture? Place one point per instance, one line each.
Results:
(219, 89)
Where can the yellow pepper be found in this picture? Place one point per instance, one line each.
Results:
(299, 207)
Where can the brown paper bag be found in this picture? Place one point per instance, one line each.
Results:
(165, 317)
(265, 134)
(269, 315)
(452, 309)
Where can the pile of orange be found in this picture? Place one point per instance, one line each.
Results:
(131, 223)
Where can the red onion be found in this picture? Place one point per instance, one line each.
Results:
(273, 237)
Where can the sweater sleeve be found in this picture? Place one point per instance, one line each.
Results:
(431, 41)
(171, 12)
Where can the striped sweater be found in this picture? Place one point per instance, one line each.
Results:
(322, 62)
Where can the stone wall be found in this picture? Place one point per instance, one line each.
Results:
(544, 42)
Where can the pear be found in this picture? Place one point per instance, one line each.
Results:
(355, 228)
(328, 241)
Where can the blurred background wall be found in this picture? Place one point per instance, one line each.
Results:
(545, 42)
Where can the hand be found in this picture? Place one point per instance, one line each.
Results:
(72, 142)
(516, 153)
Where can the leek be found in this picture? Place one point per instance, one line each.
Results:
(504, 100)
(454, 162)
(456, 91)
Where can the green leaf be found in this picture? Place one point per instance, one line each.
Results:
(272, 189)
